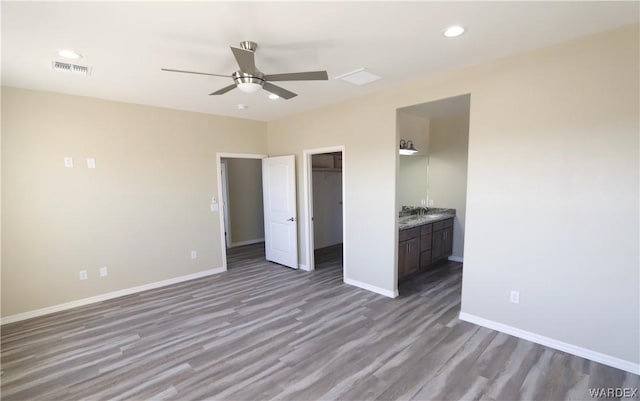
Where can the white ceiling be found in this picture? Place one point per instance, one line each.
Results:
(126, 44)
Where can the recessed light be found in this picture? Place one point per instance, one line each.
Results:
(69, 54)
(243, 106)
(273, 96)
(453, 31)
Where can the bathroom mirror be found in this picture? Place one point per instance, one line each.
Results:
(413, 180)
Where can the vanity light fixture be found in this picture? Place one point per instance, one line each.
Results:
(407, 148)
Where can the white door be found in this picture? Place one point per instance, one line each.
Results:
(280, 225)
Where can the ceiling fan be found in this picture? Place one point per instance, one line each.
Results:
(249, 79)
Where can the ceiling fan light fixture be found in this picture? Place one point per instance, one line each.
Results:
(248, 83)
(273, 96)
(249, 87)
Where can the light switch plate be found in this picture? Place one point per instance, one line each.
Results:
(91, 163)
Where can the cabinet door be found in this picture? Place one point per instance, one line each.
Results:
(425, 259)
(447, 242)
(402, 259)
(436, 251)
(413, 255)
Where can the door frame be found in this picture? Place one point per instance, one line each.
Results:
(221, 217)
(224, 180)
(307, 188)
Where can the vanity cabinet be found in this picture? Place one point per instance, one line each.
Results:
(422, 246)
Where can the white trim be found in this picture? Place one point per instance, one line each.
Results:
(456, 259)
(219, 157)
(107, 296)
(307, 180)
(303, 267)
(372, 288)
(553, 343)
(224, 201)
(249, 242)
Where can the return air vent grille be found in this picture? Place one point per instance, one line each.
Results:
(73, 68)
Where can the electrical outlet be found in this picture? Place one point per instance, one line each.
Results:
(430, 202)
(104, 272)
(514, 297)
(68, 162)
(83, 275)
(194, 255)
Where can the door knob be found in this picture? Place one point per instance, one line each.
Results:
(291, 219)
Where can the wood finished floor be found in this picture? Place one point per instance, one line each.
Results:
(262, 331)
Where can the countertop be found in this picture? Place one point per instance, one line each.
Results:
(431, 217)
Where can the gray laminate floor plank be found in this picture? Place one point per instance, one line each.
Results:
(261, 331)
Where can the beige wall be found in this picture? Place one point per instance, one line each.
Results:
(245, 200)
(552, 194)
(140, 212)
(448, 154)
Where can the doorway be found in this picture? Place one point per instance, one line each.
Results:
(324, 190)
(242, 222)
(432, 180)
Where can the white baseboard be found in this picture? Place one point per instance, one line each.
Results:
(456, 259)
(372, 288)
(243, 243)
(595, 356)
(107, 296)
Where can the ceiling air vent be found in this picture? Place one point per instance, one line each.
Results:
(73, 68)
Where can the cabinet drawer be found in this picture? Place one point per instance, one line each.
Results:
(425, 242)
(409, 233)
(442, 224)
(426, 229)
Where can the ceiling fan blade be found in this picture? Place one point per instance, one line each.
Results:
(282, 92)
(299, 76)
(245, 58)
(223, 90)
(194, 72)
